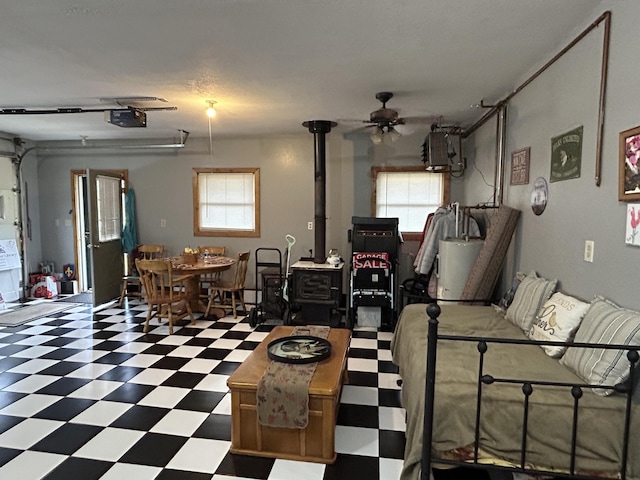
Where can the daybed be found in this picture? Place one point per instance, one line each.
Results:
(513, 364)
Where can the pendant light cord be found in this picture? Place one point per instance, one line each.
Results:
(210, 140)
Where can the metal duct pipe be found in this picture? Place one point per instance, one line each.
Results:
(320, 128)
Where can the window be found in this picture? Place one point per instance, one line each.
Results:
(109, 213)
(410, 194)
(226, 202)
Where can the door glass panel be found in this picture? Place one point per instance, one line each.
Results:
(109, 215)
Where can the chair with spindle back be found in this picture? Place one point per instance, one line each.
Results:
(144, 252)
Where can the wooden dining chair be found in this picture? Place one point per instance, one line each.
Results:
(228, 293)
(164, 292)
(209, 279)
(144, 252)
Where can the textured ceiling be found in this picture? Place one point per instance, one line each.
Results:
(269, 64)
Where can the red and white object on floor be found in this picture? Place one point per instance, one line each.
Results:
(44, 286)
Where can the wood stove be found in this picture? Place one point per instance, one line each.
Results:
(315, 286)
(317, 291)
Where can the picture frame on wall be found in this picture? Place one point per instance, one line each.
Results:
(520, 166)
(629, 180)
(632, 234)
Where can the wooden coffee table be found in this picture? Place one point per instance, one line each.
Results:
(316, 442)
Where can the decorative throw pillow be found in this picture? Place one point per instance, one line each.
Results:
(604, 323)
(557, 321)
(507, 298)
(531, 294)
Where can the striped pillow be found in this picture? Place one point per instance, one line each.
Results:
(529, 298)
(607, 323)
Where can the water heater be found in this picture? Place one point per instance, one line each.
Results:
(455, 260)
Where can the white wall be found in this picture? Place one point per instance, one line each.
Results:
(564, 97)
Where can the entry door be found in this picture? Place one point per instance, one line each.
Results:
(105, 230)
(10, 266)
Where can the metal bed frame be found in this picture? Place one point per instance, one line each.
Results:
(433, 311)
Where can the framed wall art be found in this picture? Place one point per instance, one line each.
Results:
(629, 180)
(566, 155)
(520, 166)
(632, 235)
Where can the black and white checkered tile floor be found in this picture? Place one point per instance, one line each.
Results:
(87, 395)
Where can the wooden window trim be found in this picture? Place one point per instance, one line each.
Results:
(446, 191)
(197, 231)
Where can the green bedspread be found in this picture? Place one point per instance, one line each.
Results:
(548, 446)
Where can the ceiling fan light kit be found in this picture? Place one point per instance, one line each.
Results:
(384, 120)
(377, 136)
(393, 134)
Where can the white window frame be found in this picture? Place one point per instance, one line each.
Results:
(109, 191)
(246, 200)
(427, 205)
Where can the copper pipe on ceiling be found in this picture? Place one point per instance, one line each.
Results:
(606, 18)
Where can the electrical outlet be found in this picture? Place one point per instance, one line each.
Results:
(163, 223)
(588, 250)
(310, 226)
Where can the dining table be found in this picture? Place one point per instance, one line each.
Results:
(198, 266)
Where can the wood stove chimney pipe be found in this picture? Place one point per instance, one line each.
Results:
(320, 128)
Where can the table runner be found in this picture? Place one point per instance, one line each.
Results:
(283, 391)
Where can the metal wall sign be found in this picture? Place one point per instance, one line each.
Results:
(566, 155)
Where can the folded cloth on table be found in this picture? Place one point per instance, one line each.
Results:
(283, 391)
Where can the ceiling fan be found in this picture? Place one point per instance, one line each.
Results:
(385, 120)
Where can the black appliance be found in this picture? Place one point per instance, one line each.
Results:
(315, 291)
(375, 252)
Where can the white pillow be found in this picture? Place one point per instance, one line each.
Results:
(557, 321)
(529, 298)
(606, 323)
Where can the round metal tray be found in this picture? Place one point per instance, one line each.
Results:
(299, 349)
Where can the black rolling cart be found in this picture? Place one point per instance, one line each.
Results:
(373, 288)
(270, 282)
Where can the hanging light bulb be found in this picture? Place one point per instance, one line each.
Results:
(211, 112)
